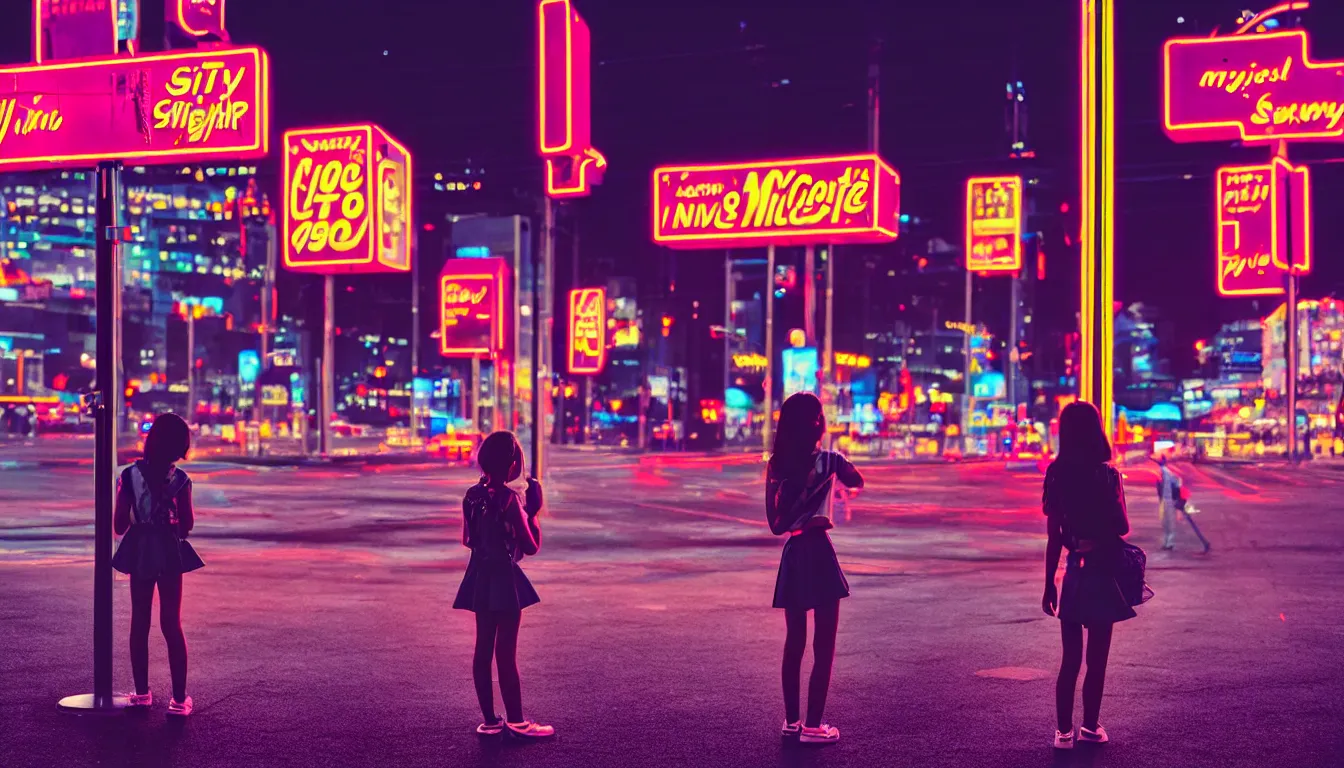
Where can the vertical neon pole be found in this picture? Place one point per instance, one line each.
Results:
(1096, 316)
(1106, 299)
(1086, 203)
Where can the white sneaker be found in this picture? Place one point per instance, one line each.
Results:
(1064, 740)
(179, 708)
(791, 729)
(491, 729)
(530, 730)
(1096, 737)
(822, 734)
(140, 699)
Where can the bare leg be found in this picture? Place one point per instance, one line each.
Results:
(480, 665)
(1098, 651)
(1072, 635)
(827, 618)
(170, 624)
(791, 671)
(142, 610)
(506, 660)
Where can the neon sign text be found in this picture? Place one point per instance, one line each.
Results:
(994, 224)
(1251, 88)
(180, 106)
(1252, 221)
(839, 200)
(587, 330)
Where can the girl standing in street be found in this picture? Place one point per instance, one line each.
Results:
(800, 480)
(1084, 504)
(500, 529)
(153, 516)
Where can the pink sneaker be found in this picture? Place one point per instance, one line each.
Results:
(529, 729)
(179, 708)
(822, 734)
(140, 699)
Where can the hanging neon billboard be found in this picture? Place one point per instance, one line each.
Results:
(70, 29)
(587, 330)
(171, 107)
(347, 200)
(197, 18)
(1250, 88)
(564, 101)
(471, 307)
(845, 199)
(994, 224)
(1252, 223)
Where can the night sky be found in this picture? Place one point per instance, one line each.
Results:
(685, 80)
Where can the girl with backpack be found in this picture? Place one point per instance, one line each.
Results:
(153, 516)
(1084, 505)
(800, 481)
(500, 529)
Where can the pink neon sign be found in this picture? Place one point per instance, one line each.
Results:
(1250, 88)
(1252, 220)
(847, 199)
(197, 18)
(472, 296)
(165, 107)
(68, 29)
(564, 103)
(994, 224)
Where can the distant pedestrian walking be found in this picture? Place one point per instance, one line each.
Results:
(1084, 504)
(153, 516)
(800, 482)
(1173, 504)
(500, 529)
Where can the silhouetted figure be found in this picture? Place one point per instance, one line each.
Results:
(1084, 504)
(800, 481)
(153, 516)
(500, 529)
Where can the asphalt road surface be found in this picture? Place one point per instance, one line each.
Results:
(321, 631)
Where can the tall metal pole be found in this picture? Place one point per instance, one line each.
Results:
(828, 345)
(415, 344)
(267, 318)
(810, 295)
(966, 399)
(1290, 341)
(328, 407)
(769, 297)
(727, 336)
(107, 276)
(1014, 299)
(540, 379)
(191, 365)
(474, 399)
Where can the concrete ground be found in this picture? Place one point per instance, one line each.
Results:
(321, 632)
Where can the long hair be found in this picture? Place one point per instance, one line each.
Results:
(1082, 440)
(500, 457)
(801, 425)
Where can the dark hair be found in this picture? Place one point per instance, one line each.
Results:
(801, 425)
(168, 441)
(1082, 440)
(501, 457)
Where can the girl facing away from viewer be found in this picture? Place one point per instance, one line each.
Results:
(1084, 505)
(800, 481)
(153, 516)
(500, 529)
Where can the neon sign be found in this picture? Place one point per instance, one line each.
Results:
(70, 29)
(851, 360)
(587, 330)
(174, 106)
(994, 224)
(471, 307)
(1253, 226)
(197, 18)
(564, 103)
(347, 200)
(848, 199)
(1250, 88)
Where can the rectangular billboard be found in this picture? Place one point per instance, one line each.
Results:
(347, 200)
(1252, 212)
(172, 107)
(472, 300)
(846, 199)
(587, 330)
(994, 224)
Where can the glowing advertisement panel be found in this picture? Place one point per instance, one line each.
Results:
(347, 200)
(994, 224)
(587, 330)
(197, 18)
(800, 370)
(1250, 88)
(71, 29)
(1252, 223)
(189, 106)
(471, 307)
(563, 85)
(848, 199)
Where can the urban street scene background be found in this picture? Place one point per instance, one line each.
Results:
(627, 233)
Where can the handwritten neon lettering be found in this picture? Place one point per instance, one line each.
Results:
(456, 294)
(1241, 79)
(32, 120)
(777, 198)
(317, 193)
(200, 101)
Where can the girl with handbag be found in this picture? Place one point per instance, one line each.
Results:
(800, 482)
(153, 516)
(1084, 504)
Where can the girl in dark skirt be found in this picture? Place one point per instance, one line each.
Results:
(500, 529)
(153, 516)
(1084, 504)
(800, 480)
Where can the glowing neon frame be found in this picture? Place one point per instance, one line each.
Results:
(1272, 168)
(365, 261)
(1175, 131)
(182, 19)
(578, 297)
(497, 283)
(1015, 183)
(261, 114)
(1097, 328)
(876, 231)
(585, 183)
(37, 28)
(571, 19)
